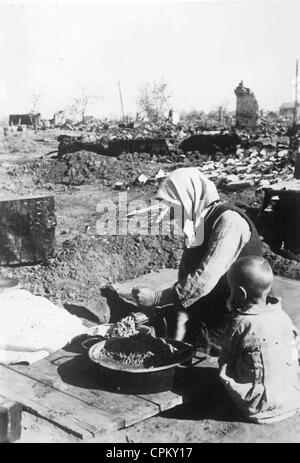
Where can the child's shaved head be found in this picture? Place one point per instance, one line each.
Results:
(252, 273)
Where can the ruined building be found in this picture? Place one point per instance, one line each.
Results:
(246, 108)
(290, 111)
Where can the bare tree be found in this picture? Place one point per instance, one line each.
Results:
(153, 99)
(81, 104)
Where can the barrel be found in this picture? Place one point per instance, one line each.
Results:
(289, 211)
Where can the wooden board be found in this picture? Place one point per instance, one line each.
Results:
(163, 400)
(82, 409)
(66, 412)
(74, 375)
(75, 403)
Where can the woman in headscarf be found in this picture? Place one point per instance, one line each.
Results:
(216, 235)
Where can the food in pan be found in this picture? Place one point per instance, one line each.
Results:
(124, 328)
(140, 351)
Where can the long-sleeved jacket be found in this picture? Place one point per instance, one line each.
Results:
(201, 268)
(259, 363)
(229, 235)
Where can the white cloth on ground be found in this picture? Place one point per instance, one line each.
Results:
(31, 327)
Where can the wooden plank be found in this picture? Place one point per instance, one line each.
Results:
(77, 377)
(69, 413)
(132, 409)
(201, 382)
(164, 400)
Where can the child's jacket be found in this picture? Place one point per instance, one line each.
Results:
(259, 363)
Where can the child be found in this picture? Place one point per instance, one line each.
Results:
(259, 358)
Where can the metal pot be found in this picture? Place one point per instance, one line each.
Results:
(131, 380)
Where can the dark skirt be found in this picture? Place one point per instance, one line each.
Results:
(206, 322)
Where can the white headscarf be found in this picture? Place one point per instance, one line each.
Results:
(190, 190)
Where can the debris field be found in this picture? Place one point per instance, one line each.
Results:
(242, 167)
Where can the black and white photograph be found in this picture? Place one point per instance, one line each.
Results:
(149, 224)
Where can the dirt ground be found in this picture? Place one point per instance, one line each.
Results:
(85, 261)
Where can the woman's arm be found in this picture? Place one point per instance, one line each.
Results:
(231, 232)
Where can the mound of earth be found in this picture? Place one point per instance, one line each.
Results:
(85, 167)
(86, 263)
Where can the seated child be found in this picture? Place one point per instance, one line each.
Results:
(259, 358)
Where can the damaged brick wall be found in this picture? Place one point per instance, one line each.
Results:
(246, 108)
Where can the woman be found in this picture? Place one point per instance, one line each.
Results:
(216, 235)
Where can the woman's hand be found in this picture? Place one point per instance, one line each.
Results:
(145, 297)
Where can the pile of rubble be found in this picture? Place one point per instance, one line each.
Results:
(83, 167)
(163, 139)
(250, 168)
(254, 162)
(183, 137)
(233, 160)
(112, 147)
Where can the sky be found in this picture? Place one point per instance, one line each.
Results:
(202, 49)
